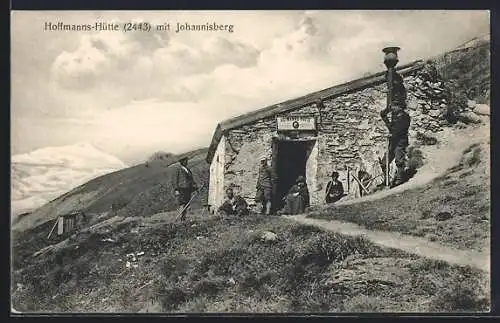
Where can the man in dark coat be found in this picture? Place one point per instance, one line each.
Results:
(303, 190)
(398, 95)
(398, 126)
(297, 199)
(234, 204)
(334, 189)
(184, 185)
(264, 186)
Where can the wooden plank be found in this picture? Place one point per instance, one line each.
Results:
(53, 227)
(348, 181)
(60, 227)
(70, 224)
(360, 184)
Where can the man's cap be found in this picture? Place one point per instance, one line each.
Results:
(335, 173)
(263, 157)
(301, 179)
(184, 158)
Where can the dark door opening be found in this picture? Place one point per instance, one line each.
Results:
(290, 163)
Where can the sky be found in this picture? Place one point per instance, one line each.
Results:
(133, 93)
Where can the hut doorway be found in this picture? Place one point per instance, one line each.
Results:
(290, 160)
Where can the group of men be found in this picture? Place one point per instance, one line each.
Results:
(297, 199)
(185, 186)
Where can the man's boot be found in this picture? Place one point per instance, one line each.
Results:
(263, 208)
(398, 179)
(382, 166)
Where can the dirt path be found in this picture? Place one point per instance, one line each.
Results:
(439, 159)
(410, 244)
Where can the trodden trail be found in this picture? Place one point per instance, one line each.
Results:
(407, 243)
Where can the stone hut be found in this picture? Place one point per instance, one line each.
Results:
(300, 137)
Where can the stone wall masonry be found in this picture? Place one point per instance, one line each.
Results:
(350, 133)
(244, 146)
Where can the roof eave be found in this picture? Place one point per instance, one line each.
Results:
(214, 143)
(341, 89)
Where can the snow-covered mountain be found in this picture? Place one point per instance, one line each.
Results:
(44, 174)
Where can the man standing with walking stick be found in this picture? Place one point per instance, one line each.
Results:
(399, 122)
(184, 186)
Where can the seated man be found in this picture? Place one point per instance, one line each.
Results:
(334, 189)
(297, 198)
(234, 204)
(303, 190)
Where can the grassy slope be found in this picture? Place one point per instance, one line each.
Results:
(221, 265)
(463, 191)
(144, 189)
(468, 73)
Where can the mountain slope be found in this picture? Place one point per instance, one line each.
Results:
(247, 264)
(44, 174)
(126, 189)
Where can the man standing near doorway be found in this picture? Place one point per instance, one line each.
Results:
(398, 127)
(184, 185)
(264, 186)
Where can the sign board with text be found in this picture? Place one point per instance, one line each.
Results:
(296, 123)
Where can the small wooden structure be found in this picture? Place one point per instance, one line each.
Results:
(67, 223)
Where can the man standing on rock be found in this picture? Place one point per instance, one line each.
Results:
(398, 126)
(184, 185)
(264, 186)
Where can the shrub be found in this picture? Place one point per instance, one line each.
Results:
(475, 158)
(457, 104)
(171, 298)
(209, 286)
(362, 303)
(160, 155)
(459, 296)
(426, 139)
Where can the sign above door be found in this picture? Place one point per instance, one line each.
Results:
(295, 123)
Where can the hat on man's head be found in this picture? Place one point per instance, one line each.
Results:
(263, 157)
(185, 158)
(301, 179)
(335, 173)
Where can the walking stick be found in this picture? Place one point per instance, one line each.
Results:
(189, 202)
(371, 179)
(387, 163)
(389, 104)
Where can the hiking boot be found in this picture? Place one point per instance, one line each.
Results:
(395, 183)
